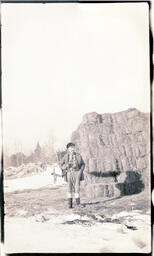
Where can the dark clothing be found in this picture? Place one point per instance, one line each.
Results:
(74, 181)
(76, 163)
(72, 166)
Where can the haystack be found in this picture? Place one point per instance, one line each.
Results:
(116, 150)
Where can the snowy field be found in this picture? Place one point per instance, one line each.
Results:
(46, 178)
(55, 237)
(38, 220)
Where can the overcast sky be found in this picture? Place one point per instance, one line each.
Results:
(60, 61)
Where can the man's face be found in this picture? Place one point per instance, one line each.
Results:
(71, 149)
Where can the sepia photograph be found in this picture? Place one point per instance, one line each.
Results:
(76, 127)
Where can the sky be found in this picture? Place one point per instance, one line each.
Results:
(61, 61)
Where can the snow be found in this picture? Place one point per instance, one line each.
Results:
(50, 238)
(44, 233)
(43, 179)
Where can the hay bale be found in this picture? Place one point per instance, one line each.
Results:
(141, 163)
(94, 191)
(107, 139)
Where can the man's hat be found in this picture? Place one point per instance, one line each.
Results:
(70, 144)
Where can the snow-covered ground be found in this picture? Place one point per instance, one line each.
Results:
(55, 237)
(46, 178)
(57, 229)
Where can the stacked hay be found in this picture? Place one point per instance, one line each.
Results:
(116, 150)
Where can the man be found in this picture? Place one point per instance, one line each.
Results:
(73, 164)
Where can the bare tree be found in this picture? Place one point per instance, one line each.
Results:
(49, 148)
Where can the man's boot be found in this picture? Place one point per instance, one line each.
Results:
(77, 201)
(70, 202)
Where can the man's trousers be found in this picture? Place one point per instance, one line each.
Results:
(73, 178)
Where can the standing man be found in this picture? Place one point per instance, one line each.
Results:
(73, 164)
